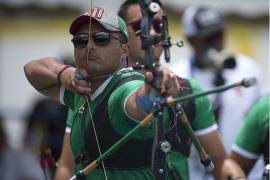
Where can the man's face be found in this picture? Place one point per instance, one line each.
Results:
(213, 41)
(136, 52)
(100, 56)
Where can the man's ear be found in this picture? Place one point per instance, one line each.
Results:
(125, 50)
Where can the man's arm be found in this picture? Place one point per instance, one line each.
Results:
(213, 146)
(168, 85)
(42, 74)
(47, 75)
(224, 167)
(245, 164)
(66, 162)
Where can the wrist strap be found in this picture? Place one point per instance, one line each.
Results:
(60, 72)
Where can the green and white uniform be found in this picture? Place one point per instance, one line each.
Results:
(252, 137)
(203, 123)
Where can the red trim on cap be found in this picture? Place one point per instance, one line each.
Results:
(84, 19)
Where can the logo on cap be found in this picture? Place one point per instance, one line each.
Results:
(97, 12)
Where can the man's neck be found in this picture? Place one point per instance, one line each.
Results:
(132, 62)
(95, 84)
(97, 81)
(198, 61)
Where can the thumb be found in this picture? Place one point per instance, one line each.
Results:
(82, 74)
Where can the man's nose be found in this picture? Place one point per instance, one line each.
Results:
(91, 44)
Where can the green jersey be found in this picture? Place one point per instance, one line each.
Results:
(251, 138)
(203, 123)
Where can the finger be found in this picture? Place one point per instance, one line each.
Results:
(85, 74)
(173, 84)
(80, 78)
(165, 81)
(82, 83)
(82, 74)
(82, 90)
(175, 81)
(148, 79)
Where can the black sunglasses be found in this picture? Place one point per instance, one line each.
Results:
(156, 24)
(214, 36)
(100, 38)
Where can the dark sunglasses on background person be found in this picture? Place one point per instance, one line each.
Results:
(100, 38)
(214, 37)
(136, 25)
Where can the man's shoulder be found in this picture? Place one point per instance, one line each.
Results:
(126, 75)
(192, 83)
(124, 72)
(245, 61)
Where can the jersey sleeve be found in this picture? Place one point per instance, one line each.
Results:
(69, 122)
(203, 122)
(251, 138)
(118, 116)
(67, 98)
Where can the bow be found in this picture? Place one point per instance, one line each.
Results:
(160, 146)
(148, 119)
(149, 9)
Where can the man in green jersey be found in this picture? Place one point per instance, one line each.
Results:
(205, 128)
(100, 44)
(202, 121)
(253, 138)
(203, 125)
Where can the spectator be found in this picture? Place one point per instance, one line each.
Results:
(211, 66)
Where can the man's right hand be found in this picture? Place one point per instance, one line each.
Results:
(78, 84)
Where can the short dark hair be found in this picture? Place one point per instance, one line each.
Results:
(122, 38)
(122, 12)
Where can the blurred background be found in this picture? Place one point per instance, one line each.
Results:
(31, 29)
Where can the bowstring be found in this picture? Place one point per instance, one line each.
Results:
(88, 104)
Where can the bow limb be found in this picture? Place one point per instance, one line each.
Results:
(148, 119)
(149, 9)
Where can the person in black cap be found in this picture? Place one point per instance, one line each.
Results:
(210, 64)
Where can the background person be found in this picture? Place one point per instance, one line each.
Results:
(211, 65)
(22, 163)
(253, 138)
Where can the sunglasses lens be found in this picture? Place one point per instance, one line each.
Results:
(80, 41)
(101, 38)
(215, 37)
(136, 26)
(157, 24)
